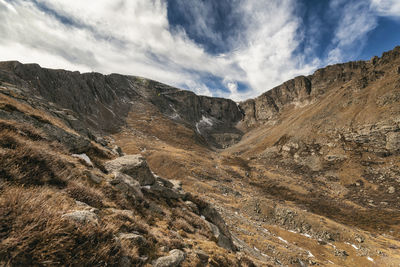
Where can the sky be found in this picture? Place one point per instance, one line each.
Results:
(236, 49)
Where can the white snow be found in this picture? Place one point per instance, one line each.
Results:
(310, 255)
(354, 246)
(84, 157)
(370, 259)
(306, 235)
(281, 239)
(205, 121)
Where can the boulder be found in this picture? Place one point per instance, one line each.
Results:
(132, 165)
(82, 216)
(203, 257)
(160, 190)
(224, 238)
(127, 185)
(174, 258)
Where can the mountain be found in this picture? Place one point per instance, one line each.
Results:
(121, 170)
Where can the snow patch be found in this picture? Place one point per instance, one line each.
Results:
(370, 259)
(310, 255)
(354, 246)
(306, 235)
(204, 122)
(283, 240)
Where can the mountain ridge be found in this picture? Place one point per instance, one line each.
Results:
(304, 174)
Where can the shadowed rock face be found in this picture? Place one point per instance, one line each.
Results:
(103, 101)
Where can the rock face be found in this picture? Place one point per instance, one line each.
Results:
(102, 102)
(303, 90)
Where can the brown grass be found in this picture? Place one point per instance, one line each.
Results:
(32, 232)
(85, 194)
(31, 163)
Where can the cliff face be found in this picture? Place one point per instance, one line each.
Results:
(303, 90)
(102, 102)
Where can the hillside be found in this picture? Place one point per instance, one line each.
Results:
(121, 170)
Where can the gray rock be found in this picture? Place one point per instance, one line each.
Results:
(393, 141)
(193, 207)
(391, 190)
(82, 216)
(133, 238)
(132, 165)
(223, 235)
(341, 253)
(84, 158)
(93, 177)
(174, 258)
(222, 240)
(162, 191)
(127, 185)
(202, 256)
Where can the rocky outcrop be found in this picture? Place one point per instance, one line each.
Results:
(102, 102)
(303, 90)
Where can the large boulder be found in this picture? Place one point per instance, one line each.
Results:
(174, 258)
(127, 185)
(132, 165)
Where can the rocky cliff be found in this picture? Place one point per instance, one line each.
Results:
(102, 102)
(303, 90)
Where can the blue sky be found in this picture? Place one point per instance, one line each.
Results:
(227, 48)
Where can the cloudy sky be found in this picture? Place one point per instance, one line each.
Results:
(229, 48)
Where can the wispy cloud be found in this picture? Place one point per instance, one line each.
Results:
(386, 7)
(259, 51)
(355, 20)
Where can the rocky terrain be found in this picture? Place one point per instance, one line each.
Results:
(121, 170)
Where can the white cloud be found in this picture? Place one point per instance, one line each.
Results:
(134, 37)
(386, 7)
(356, 20)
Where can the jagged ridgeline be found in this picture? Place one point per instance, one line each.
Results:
(120, 170)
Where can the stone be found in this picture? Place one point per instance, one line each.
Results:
(222, 240)
(84, 158)
(360, 239)
(193, 207)
(223, 236)
(174, 258)
(82, 216)
(93, 177)
(341, 253)
(203, 257)
(162, 191)
(393, 141)
(133, 238)
(134, 166)
(391, 190)
(127, 185)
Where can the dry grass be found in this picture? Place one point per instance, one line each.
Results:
(85, 194)
(31, 163)
(32, 232)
